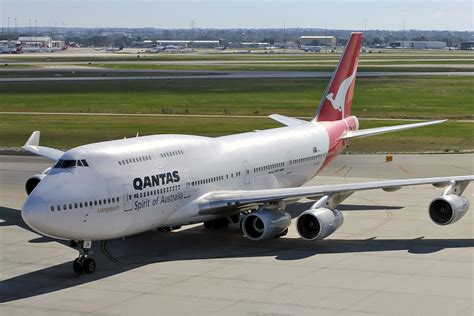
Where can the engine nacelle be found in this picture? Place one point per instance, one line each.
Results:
(265, 224)
(316, 224)
(32, 182)
(448, 209)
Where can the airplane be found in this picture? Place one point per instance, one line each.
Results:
(110, 49)
(309, 48)
(118, 188)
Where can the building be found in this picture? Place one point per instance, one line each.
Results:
(190, 43)
(418, 44)
(36, 41)
(467, 46)
(317, 40)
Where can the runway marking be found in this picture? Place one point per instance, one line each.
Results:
(339, 170)
(403, 169)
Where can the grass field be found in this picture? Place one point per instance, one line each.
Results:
(410, 97)
(383, 97)
(221, 56)
(364, 67)
(67, 131)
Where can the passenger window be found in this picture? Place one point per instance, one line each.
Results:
(95, 202)
(58, 208)
(64, 207)
(100, 202)
(80, 204)
(113, 200)
(52, 208)
(75, 205)
(108, 200)
(118, 198)
(70, 206)
(85, 204)
(104, 201)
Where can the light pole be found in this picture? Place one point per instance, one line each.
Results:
(8, 28)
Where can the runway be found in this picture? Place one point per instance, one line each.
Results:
(65, 74)
(387, 258)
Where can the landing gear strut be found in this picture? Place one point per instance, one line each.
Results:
(83, 263)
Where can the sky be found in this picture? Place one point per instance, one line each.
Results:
(453, 15)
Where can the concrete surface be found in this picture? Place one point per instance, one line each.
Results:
(387, 258)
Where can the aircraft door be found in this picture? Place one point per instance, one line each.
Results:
(246, 172)
(127, 198)
(289, 165)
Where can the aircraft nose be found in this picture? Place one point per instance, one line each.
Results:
(34, 212)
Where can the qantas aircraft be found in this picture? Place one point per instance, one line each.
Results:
(118, 188)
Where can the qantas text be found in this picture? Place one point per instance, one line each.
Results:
(156, 180)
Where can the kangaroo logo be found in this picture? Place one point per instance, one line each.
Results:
(340, 100)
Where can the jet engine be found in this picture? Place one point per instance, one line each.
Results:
(316, 224)
(265, 224)
(448, 209)
(32, 182)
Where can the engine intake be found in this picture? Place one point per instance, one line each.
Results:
(448, 209)
(32, 182)
(316, 224)
(265, 224)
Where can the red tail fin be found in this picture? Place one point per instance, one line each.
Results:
(337, 99)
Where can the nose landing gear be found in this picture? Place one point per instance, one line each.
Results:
(83, 263)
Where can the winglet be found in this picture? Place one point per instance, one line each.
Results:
(34, 139)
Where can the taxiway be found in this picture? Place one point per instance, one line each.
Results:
(387, 258)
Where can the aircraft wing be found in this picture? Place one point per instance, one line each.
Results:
(215, 202)
(387, 129)
(32, 145)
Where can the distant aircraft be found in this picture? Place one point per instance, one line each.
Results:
(10, 47)
(110, 49)
(310, 48)
(123, 187)
(221, 47)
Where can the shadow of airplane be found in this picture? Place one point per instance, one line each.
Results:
(196, 243)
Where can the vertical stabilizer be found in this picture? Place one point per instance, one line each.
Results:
(337, 99)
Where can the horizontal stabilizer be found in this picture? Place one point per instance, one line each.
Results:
(286, 120)
(381, 130)
(32, 145)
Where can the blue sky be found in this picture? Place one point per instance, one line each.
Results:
(339, 14)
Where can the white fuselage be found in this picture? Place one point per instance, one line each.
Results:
(137, 184)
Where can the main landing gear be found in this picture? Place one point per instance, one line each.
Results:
(83, 263)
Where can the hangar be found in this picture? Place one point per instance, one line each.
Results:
(36, 41)
(317, 40)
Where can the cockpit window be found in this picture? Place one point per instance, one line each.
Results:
(69, 163)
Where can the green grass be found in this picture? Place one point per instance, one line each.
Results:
(67, 131)
(399, 54)
(364, 67)
(394, 97)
